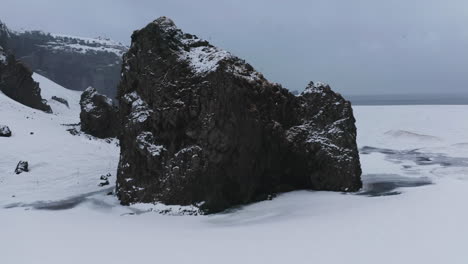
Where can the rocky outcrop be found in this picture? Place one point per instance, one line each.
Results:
(99, 117)
(202, 127)
(5, 131)
(73, 62)
(17, 83)
(22, 166)
(60, 100)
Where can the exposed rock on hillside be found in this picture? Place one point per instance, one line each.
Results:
(73, 62)
(60, 100)
(5, 131)
(202, 127)
(98, 116)
(17, 83)
(22, 166)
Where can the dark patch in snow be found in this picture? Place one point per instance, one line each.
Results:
(388, 184)
(418, 157)
(67, 203)
(60, 100)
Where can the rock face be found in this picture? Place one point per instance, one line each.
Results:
(17, 83)
(5, 131)
(22, 166)
(98, 115)
(73, 62)
(201, 127)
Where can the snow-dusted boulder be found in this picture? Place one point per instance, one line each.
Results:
(202, 127)
(5, 131)
(98, 115)
(22, 166)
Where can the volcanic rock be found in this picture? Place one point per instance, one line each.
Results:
(22, 166)
(17, 83)
(201, 127)
(99, 117)
(5, 131)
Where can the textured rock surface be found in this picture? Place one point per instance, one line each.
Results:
(5, 131)
(98, 116)
(17, 83)
(202, 127)
(73, 62)
(22, 166)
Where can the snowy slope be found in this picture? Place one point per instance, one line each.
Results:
(61, 164)
(400, 145)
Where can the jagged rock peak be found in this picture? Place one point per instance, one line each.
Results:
(165, 23)
(196, 53)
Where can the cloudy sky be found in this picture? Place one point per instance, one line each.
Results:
(358, 46)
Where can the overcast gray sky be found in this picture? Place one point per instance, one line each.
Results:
(357, 46)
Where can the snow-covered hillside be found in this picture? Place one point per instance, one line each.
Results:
(56, 213)
(62, 165)
(61, 42)
(84, 45)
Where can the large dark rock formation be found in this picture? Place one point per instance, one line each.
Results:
(17, 83)
(201, 127)
(73, 62)
(99, 117)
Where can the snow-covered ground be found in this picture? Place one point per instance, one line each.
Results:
(57, 213)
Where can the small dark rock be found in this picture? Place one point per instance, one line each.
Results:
(5, 131)
(104, 178)
(60, 100)
(22, 166)
(104, 183)
(73, 131)
(31, 133)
